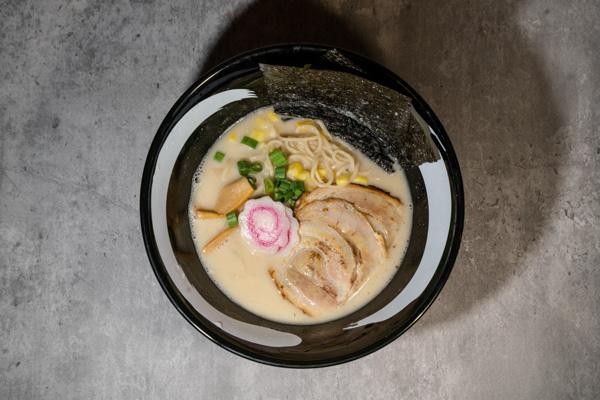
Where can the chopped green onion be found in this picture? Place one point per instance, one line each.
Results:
(280, 172)
(243, 167)
(231, 219)
(298, 185)
(290, 203)
(219, 156)
(278, 159)
(284, 185)
(269, 186)
(277, 196)
(256, 167)
(251, 181)
(297, 189)
(248, 141)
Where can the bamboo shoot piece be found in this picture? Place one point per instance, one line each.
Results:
(203, 214)
(218, 240)
(233, 195)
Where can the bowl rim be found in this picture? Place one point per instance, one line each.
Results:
(184, 307)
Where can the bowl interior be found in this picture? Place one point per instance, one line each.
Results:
(419, 277)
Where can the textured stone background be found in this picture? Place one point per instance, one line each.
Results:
(83, 88)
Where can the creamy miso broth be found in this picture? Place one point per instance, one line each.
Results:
(298, 278)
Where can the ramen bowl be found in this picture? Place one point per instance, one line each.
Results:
(198, 118)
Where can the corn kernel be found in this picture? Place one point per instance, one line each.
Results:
(309, 185)
(258, 134)
(272, 116)
(303, 176)
(232, 137)
(296, 167)
(296, 171)
(342, 180)
(322, 172)
(361, 180)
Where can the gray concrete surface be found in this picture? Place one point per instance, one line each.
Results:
(83, 88)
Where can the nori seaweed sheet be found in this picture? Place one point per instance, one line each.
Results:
(373, 118)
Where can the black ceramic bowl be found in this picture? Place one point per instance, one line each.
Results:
(203, 112)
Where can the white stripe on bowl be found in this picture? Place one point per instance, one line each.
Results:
(160, 181)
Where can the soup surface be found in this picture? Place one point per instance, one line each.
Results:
(348, 273)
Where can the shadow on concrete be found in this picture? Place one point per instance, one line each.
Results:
(472, 63)
(268, 22)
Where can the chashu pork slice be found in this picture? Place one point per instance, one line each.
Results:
(384, 212)
(301, 291)
(327, 265)
(335, 268)
(368, 246)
